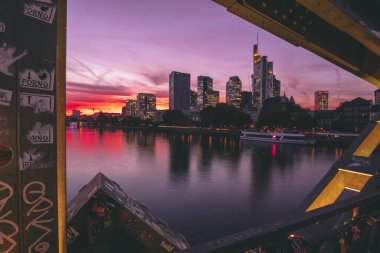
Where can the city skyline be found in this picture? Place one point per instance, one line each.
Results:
(141, 56)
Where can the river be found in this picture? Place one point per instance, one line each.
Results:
(205, 187)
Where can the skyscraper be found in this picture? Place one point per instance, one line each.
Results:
(246, 100)
(212, 98)
(321, 101)
(179, 91)
(233, 91)
(130, 108)
(377, 97)
(193, 100)
(264, 82)
(146, 105)
(204, 88)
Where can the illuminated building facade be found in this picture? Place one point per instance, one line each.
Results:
(321, 101)
(193, 100)
(179, 91)
(212, 98)
(146, 105)
(377, 97)
(204, 89)
(233, 91)
(130, 108)
(264, 82)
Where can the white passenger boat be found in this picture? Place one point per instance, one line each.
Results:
(291, 138)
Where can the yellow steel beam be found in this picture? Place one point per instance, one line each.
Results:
(61, 129)
(344, 179)
(370, 142)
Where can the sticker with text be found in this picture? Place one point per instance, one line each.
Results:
(40, 11)
(42, 80)
(5, 97)
(40, 103)
(30, 157)
(41, 134)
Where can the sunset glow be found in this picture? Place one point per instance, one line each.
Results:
(118, 48)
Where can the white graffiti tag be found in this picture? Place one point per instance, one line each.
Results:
(7, 243)
(34, 195)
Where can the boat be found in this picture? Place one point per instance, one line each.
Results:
(278, 137)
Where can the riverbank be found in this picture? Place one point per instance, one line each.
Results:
(220, 132)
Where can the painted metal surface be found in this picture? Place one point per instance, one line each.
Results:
(28, 125)
(128, 215)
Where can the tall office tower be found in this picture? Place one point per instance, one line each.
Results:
(130, 108)
(233, 91)
(277, 88)
(146, 105)
(179, 91)
(321, 100)
(204, 88)
(193, 100)
(246, 100)
(75, 113)
(264, 83)
(212, 98)
(377, 97)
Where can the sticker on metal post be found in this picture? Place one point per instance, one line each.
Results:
(40, 103)
(5, 97)
(41, 80)
(41, 134)
(6, 155)
(40, 11)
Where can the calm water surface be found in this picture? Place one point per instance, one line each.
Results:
(205, 187)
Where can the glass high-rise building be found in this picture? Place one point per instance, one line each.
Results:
(204, 88)
(246, 100)
(264, 82)
(130, 108)
(193, 100)
(233, 91)
(321, 101)
(146, 105)
(179, 91)
(212, 98)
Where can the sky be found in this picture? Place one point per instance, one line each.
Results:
(118, 48)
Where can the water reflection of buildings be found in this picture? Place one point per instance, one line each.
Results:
(179, 158)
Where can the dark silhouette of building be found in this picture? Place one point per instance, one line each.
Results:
(193, 100)
(246, 100)
(355, 114)
(377, 97)
(325, 118)
(179, 91)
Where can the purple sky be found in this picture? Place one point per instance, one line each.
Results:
(117, 48)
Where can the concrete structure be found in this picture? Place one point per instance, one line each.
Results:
(146, 105)
(204, 87)
(179, 91)
(130, 108)
(321, 100)
(233, 91)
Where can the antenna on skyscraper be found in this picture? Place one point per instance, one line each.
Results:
(257, 39)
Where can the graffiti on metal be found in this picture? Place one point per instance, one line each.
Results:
(42, 80)
(8, 228)
(34, 196)
(42, 12)
(8, 58)
(5, 97)
(39, 103)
